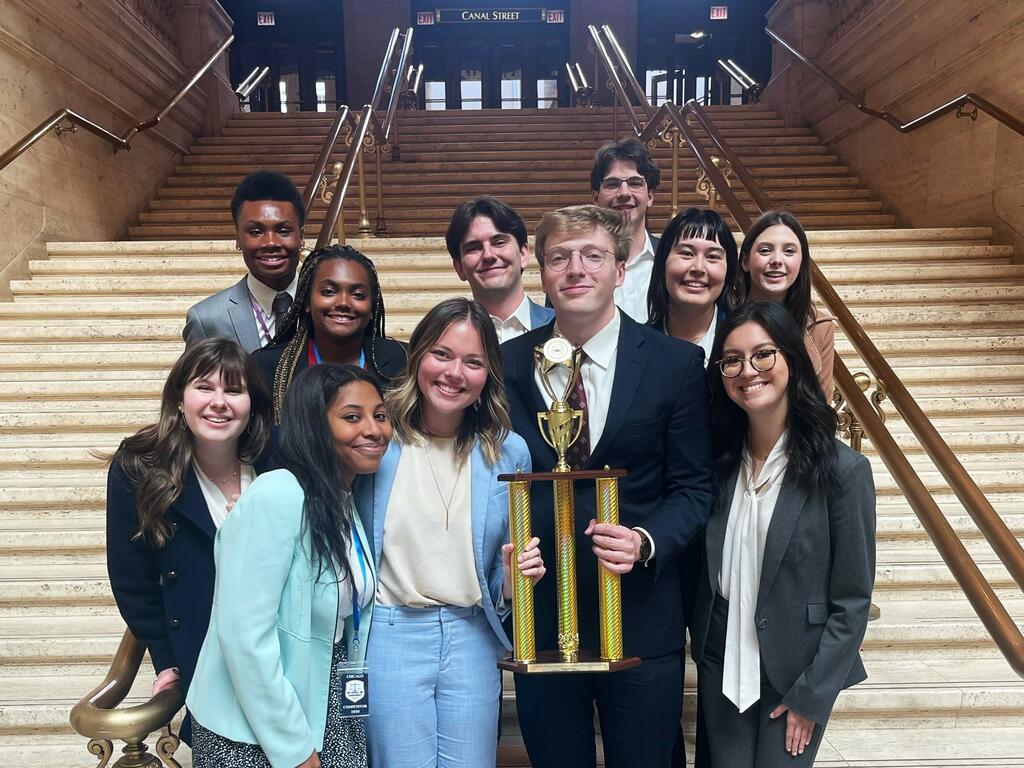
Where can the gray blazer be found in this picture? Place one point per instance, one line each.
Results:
(816, 580)
(227, 314)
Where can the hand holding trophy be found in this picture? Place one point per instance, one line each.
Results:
(561, 426)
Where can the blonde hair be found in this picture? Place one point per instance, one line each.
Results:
(488, 421)
(576, 219)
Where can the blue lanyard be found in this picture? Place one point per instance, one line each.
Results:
(356, 609)
(316, 356)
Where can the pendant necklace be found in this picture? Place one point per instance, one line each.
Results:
(437, 485)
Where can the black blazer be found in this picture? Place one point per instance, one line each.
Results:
(658, 428)
(815, 589)
(164, 594)
(389, 355)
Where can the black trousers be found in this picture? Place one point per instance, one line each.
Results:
(737, 739)
(638, 708)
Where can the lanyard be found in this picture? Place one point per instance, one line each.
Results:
(313, 355)
(356, 609)
(261, 318)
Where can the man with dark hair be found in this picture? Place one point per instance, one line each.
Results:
(645, 405)
(624, 178)
(268, 213)
(487, 242)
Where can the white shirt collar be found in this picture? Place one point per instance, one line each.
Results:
(600, 348)
(265, 295)
(707, 341)
(521, 313)
(647, 254)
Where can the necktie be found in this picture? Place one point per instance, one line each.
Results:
(579, 452)
(282, 303)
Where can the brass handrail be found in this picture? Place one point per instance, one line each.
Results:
(973, 100)
(1005, 633)
(397, 85)
(389, 52)
(341, 116)
(98, 718)
(345, 177)
(119, 142)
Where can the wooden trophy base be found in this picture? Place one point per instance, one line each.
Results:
(549, 662)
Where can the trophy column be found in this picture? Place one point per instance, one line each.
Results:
(609, 586)
(565, 565)
(524, 638)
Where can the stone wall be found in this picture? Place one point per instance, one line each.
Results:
(908, 57)
(116, 62)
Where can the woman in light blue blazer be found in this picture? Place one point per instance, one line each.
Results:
(439, 522)
(293, 598)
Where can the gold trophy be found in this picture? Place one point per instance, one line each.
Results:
(561, 426)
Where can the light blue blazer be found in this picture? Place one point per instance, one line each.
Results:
(540, 315)
(265, 668)
(489, 511)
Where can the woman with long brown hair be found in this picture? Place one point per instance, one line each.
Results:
(169, 487)
(439, 522)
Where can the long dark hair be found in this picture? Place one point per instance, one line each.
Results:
(307, 450)
(489, 422)
(702, 223)
(798, 297)
(158, 457)
(297, 326)
(811, 423)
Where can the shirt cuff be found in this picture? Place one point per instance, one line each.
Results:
(649, 538)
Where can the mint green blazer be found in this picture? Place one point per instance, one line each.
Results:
(265, 667)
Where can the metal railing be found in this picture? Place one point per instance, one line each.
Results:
(366, 131)
(98, 718)
(751, 88)
(973, 101)
(581, 89)
(250, 83)
(671, 122)
(56, 121)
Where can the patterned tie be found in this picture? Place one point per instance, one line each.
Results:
(282, 303)
(579, 452)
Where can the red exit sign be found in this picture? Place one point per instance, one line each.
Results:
(719, 12)
(265, 19)
(556, 17)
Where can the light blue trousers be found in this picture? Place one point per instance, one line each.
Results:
(434, 688)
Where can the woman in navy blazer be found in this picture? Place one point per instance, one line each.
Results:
(789, 562)
(439, 519)
(215, 419)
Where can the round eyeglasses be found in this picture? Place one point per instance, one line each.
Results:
(761, 361)
(592, 258)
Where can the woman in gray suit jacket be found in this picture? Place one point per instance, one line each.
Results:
(789, 552)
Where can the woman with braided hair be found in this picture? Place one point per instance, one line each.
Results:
(337, 317)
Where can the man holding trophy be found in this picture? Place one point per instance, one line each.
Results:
(611, 398)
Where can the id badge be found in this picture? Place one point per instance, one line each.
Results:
(353, 684)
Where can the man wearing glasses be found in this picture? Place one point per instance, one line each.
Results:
(624, 178)
(646, 409)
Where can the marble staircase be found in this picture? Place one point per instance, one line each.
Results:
(86, 342)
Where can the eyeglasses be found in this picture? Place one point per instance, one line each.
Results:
(761, 361)
(635, 184)
(592, 258)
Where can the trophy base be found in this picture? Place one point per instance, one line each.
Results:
(549, 662)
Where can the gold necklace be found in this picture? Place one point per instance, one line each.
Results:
(228, 479)
(437, 485)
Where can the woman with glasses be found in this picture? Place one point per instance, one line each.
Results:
(775, 265)
(439, 522)
(337, 317)
(789, 556)
(692, 278)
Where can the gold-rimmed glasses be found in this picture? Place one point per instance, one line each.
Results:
(762, 360)
(591, 257)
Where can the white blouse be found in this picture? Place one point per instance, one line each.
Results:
(750, 515)
(216, 501)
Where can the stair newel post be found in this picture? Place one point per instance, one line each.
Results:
(365, 230)
(382, 225)
(676, 140)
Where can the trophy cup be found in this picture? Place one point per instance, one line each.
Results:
(560, 426)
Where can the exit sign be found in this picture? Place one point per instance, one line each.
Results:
(719, 12)
(265, 19)
(556, 17)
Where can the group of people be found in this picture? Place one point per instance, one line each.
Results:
(313, 543)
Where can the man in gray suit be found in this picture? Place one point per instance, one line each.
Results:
(268, 213)
(488, 244)
(623, 178)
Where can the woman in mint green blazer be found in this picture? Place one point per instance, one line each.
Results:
(294, 590)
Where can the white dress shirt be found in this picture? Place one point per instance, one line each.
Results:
(517, 323)
(750, 515)
(264, 297)
(708, 339)
(631, 296)
(216, 501)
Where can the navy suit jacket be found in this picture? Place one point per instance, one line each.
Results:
(658, 429)
(164, 594)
